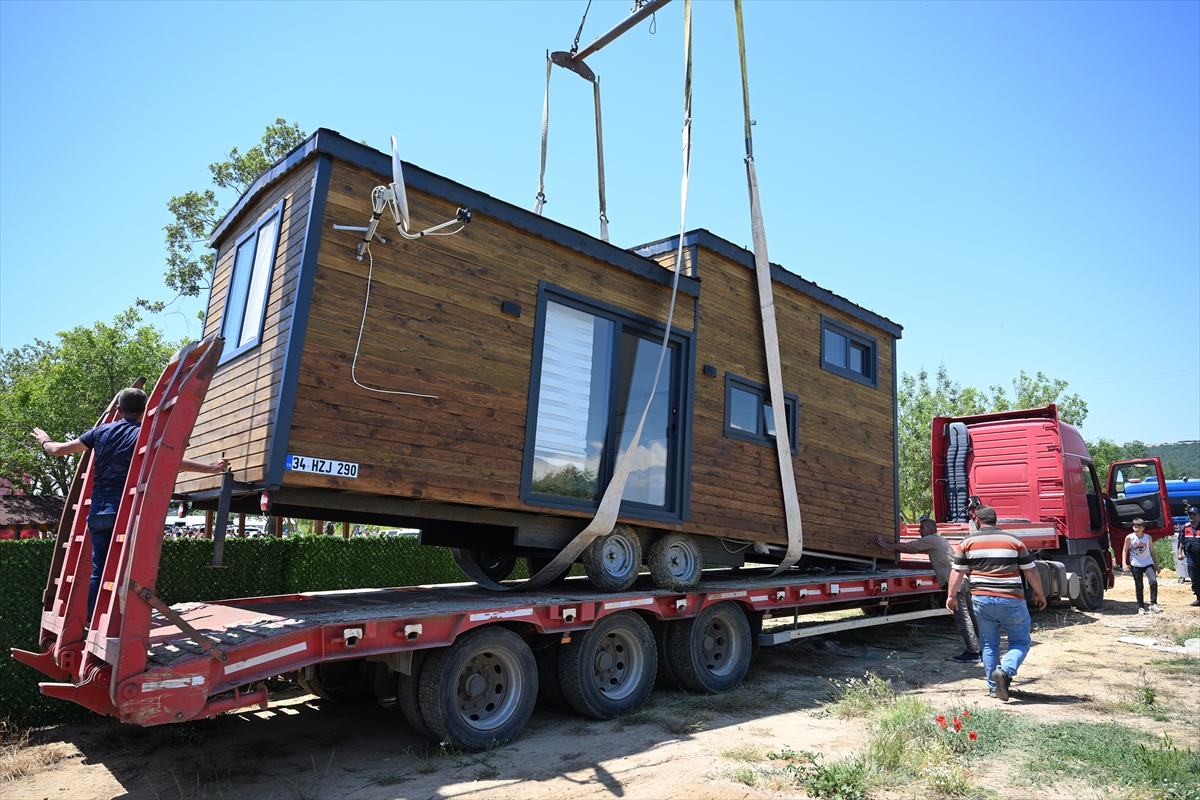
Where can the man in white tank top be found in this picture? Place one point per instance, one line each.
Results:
(1138, 556)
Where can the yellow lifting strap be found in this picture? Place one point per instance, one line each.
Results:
(610, 502)
(766, 302)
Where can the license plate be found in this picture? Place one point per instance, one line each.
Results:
(322, 466)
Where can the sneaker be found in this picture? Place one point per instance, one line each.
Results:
(1141, 610)
(1155, 607)
(1001, 678)
(991, 693)
(968, 658)
(1195, 602)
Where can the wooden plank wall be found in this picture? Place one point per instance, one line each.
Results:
(240, 406)
(435, 327)
(844, 469)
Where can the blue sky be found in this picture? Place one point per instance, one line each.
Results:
(1017, 184)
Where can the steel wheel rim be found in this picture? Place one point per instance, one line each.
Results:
(618, 664)
(489, 560)
(681, 561)
(720, 648)
(617, 555)
(488, 689)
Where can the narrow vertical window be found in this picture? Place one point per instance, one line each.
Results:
(249, 284)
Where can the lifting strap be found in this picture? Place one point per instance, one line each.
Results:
(540, 199)
(766, 302)
(610, 502)
(600, 162)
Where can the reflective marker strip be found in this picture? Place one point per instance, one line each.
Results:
(519, 612)
(758, 598)
(265, 657)
(724, 595)
(173, 683)
(645, 601)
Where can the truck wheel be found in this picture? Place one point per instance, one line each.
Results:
(666, 678)
(348, 682)
(1091, 586)
(610, 669)
(409, 695)
(675, 562)
(479, 692)
(710, 653)
(612, 562)
(546, 650)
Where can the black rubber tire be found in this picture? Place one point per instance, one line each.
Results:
(409, 695)
(675, 562)
(1091, 586)
(494, 565)
(535, 565)
(711, 653)
(546, 650)
(610, 669)
(666, 678)
(349, 682)
(612, 562)
(479, 692)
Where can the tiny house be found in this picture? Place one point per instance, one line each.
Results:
(484, 391)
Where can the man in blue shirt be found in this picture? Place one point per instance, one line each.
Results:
(112, 447)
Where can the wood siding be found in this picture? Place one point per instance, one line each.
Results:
(240, 407)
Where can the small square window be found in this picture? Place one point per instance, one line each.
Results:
(250, 283)
(849, 353)
(750, 416)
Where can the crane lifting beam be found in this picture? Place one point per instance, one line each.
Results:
(574, 60)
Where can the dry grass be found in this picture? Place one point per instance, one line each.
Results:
(19, 758)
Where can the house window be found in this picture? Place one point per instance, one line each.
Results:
(749, 415)
(593, 373)
(849, 353)
(246, 299)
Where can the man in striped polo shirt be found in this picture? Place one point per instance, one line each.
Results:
(995, 562)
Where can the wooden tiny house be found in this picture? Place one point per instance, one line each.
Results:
(536, 345)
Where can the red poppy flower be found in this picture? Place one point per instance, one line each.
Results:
(941, 720)
(973, 735)
(966, 715)
(957, 724)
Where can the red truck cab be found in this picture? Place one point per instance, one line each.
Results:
(1036, 472)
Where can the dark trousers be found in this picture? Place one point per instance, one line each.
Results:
(100, 527)
(1138, 572)
(1193, 561)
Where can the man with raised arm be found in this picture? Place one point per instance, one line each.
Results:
(995, 562)
(112, 446)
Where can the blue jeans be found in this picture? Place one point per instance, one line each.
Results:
(992, 614)
(100, 527)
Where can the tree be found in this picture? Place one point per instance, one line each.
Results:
(197, 213)
(918, 403)
(1038, 392)
(64, 387)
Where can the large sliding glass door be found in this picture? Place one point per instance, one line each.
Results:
(593, 377)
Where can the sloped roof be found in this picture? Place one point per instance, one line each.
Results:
(21, 511)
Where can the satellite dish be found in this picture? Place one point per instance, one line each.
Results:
(398, 189)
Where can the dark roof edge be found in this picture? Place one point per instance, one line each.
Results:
(338, 146)
(706, 238)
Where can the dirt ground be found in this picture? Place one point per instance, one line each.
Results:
(677, 747)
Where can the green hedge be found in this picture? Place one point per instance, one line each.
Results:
(252, 568)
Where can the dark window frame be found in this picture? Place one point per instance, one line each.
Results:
(682, 385)
(232, 348)
(853, 337)
(791, 405)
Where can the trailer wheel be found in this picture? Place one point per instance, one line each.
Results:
(710, 653)
(495, 566)
(675, 562)
(480, 691)
(665, 679)
(409, 694)
(1091, 586)
(612, 562)
(348, 682)
(610, 669)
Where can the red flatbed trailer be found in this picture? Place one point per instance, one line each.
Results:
(463, 663)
